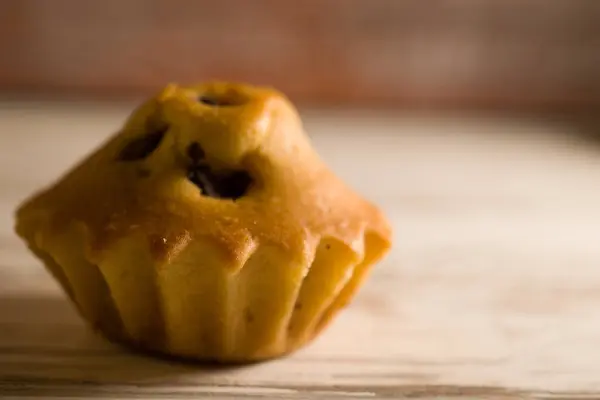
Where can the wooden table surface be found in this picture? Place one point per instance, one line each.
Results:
(492, 290)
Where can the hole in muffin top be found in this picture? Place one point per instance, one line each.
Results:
(141, 147)
(226, 184)
(221, 100)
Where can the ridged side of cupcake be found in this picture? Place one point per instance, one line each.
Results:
(192, 305)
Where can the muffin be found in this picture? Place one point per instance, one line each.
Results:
(206, 228)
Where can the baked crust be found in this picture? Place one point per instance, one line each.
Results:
(152, 261)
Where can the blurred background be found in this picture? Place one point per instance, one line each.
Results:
(517, 55)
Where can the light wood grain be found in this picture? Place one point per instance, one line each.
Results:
(491, 292)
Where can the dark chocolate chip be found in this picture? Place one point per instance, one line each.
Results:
(142, 146)
(195, 152)
(225, 184)
(235, 184)
(201, 176)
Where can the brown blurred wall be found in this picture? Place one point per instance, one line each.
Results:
(497, 53)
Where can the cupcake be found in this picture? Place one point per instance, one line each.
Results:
(206, 228)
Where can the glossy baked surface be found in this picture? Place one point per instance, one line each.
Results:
(207, 227)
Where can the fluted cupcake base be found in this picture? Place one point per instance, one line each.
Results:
(194, 307)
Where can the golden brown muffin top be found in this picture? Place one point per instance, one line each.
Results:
(227, 161)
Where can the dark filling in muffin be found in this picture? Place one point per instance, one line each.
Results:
(141, 147)
(217, 102)
(221, 184)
